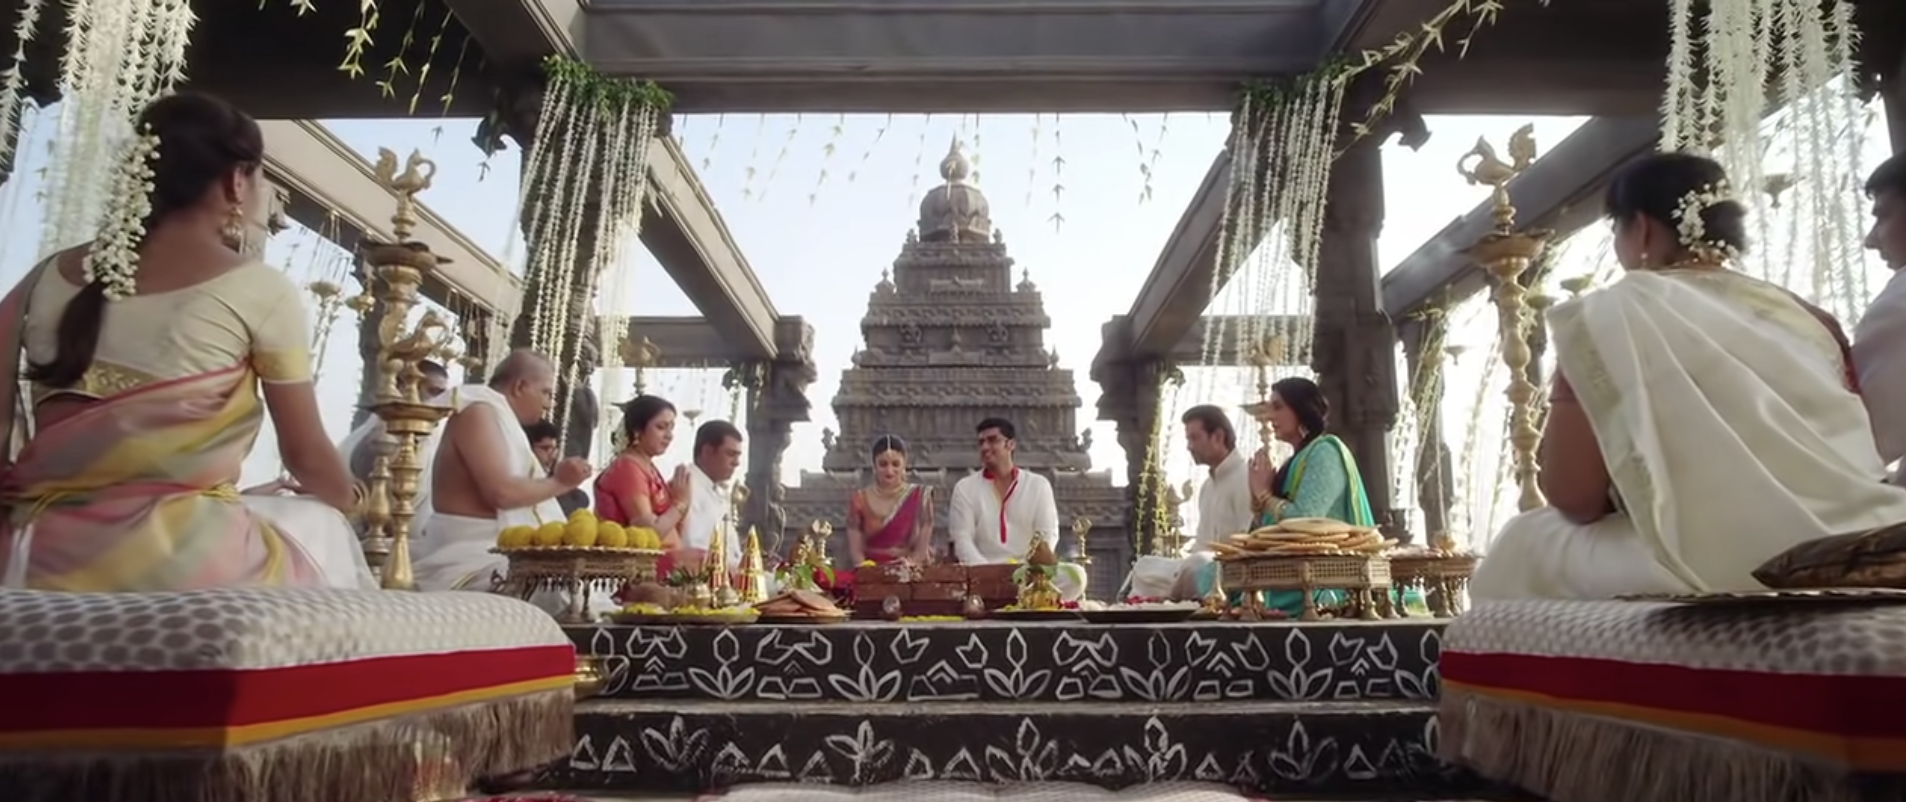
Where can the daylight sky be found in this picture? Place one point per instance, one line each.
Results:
(820, 204)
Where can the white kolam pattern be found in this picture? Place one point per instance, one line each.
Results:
(1867, 640)
(43, 632)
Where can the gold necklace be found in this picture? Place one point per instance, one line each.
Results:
(898, 491)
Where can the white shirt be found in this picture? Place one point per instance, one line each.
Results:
(710, 507)
(982, 532)
(1879, 355)
(1224, 500)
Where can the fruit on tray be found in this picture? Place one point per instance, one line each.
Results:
(800, 604)
(582, 530)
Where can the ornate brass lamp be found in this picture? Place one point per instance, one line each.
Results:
(1507, 254)
(1081, 527)
(1263, 355)
(642, 355)
(401, 265)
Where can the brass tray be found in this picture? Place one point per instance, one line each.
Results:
(640, 619)
(713, 619)
(805, 620)
(1849, 596)
(1036, 615)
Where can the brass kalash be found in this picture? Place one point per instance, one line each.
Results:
(400, 266)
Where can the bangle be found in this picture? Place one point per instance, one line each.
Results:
(1261, 502)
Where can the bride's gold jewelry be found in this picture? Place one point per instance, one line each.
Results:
(233, 230)
(897, 491)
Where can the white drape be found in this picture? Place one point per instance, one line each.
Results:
(1721, 408)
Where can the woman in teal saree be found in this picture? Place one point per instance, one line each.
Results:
(1320, 480)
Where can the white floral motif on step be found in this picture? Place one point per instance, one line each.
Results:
(1162, 759)
(45, 632)
(676, 750)
(1300, 759)
(1033, 759)
(1017, 683)
(867, 685)
(725, 682)
(865, 754)
(1301, 683)
(1156, 685)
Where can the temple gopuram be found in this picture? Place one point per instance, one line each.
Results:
(951, 339)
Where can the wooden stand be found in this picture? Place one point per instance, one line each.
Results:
(576, 570)
(1366, 577)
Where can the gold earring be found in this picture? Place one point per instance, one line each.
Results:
(233, 231)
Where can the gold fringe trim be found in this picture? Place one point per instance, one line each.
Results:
(1571, 757)
(431, 755)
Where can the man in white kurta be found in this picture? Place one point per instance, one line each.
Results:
(711, 496)
(995, 513)
(1879, 341)
(1224, 500)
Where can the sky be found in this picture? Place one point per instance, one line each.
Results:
(820, 204)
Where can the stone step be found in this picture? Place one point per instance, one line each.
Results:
(1285, 748)
(936, 791)
(1025, 662)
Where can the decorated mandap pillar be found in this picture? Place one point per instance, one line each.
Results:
(1354, 354)
(1422, 335)
(1131, 395)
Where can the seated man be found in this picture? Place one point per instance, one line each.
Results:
(546, 439)
(1224, 500)
(995, 513)
(485, 476)
(1879, 341)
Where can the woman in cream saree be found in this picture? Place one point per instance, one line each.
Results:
(1702, 422)
(123, 458)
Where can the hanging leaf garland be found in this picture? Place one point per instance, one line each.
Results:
(587, 173)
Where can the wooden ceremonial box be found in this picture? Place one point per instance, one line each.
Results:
(939, 589)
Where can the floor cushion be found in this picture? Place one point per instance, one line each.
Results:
(241, 695)
(1647, 702)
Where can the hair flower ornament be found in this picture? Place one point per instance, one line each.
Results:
(1690, 223)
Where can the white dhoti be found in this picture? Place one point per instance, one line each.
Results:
(1540, 554)
(454, 554)
(322, 533)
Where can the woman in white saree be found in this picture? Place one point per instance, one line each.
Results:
(1701, 421)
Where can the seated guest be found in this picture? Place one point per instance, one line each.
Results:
(994, 513)
(485, 476)
(1320, 480)
(546, 440)
(143, 407)
(893, 519)
(1879, 341)
(1224, 500)
(711, 501)
(631, 491)
(360, 446)
(1701, 421)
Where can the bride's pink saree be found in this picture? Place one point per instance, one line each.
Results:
(136, 492)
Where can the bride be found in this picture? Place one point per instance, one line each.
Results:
(1701, 422)
(122, 463)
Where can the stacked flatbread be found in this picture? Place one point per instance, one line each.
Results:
(1304, 537)
(799, 604)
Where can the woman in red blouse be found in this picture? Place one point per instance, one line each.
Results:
(631, 491)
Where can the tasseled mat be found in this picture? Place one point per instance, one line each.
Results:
(430, 755)
(1573, 757)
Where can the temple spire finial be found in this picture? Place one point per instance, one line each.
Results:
(955, 168)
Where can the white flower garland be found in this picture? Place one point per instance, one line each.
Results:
(1692, 228)
(592, 179)
(121, 55)
(1807, 47)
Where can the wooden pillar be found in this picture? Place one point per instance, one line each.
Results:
(1354, 354)
(1132, 393)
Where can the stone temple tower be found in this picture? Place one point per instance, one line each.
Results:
(951, 339)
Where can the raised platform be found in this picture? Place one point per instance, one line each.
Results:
(1284, 708)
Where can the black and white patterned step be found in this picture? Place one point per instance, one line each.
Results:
(1000, 662)
(1282, 748)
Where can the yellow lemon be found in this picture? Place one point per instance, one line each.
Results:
(580, 532)
(582, 515)
(643, 537)
(550, 534)
(516, 537)
(612, 535)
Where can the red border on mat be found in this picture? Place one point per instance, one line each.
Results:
(1862, 706)
(103, 700)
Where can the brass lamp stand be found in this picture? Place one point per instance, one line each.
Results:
(1507, 254)
(401, 265)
